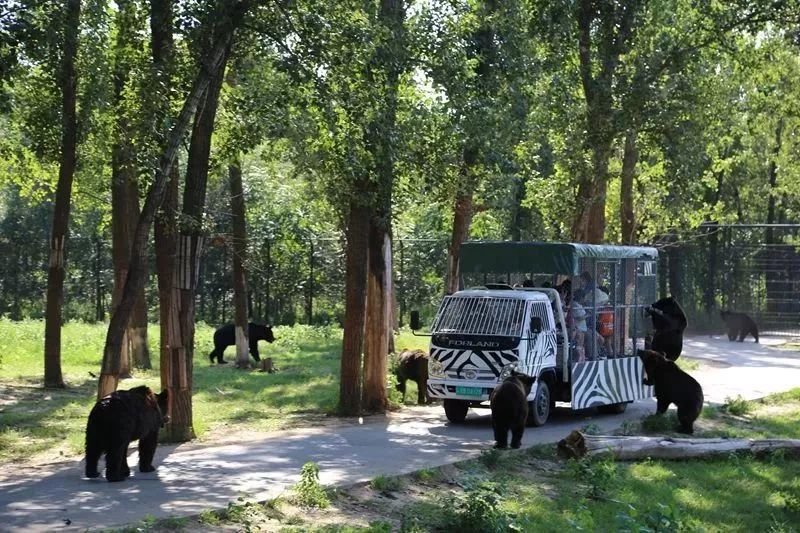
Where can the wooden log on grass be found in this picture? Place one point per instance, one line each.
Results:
(577, 445)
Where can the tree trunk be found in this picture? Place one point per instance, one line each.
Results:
(604, 33)
(239, 258)
(674, 265)
(627, 214)
(190, 245)
(390, 59)
(462, 218)
(155, 197)
(774, 284)
(99, 310)
(356, 257)
(519, 214)
(166, 243)
(123, 173)
(377, 325)
(60, 229)
(590, 217)
(577, 445)
(710, 290)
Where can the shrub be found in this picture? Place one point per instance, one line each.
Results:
(386, 483)
(308, 490)
(597, 474)
(738, 406)
(478, 510)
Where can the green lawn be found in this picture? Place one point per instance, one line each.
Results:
(534, 491)
(49, 424)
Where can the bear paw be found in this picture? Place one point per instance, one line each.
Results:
(147, 468)
(93, 474)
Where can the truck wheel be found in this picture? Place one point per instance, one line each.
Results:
(456, 410)
(539, 407)
(613, 409)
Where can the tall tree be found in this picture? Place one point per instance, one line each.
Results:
(239, 259)
(211, 64)
(391, 57)
(479, 59)
(165, 235)
(60, 231)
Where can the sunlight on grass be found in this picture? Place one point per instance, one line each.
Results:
(36, 420)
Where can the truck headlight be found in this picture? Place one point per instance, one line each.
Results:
(435, 369)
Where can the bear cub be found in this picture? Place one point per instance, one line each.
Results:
(413, 365)
(739, 325)
(509, 401)
(226, 336)
(116, 420)
(673, 385)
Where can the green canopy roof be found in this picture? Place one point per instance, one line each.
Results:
(541, 257)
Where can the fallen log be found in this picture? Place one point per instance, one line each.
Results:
(626, 448)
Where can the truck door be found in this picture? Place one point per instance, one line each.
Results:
(540, 335)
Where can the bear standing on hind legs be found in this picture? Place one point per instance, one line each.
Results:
(116, 420)
(739, 325)
(509, 401)
(669, 323)
(673, 385)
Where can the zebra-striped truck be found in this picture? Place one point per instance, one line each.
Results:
(570, 314)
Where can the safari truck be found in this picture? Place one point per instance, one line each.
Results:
(572, 315)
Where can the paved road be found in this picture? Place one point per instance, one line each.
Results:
(193, 477)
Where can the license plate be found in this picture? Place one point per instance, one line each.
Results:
(469, 391)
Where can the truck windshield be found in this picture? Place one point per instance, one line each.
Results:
(480, 316)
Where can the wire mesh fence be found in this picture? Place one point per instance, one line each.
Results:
(289, 280)
(749, 268)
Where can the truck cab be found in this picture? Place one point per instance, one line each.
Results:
(481, 333)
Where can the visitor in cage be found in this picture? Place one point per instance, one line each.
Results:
(605, 321)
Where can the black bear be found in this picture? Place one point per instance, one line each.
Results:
(226, 336)
(413, 365)
(116, 420)
(509, 401)
(739, 325)
(673, 385)
(669, 323)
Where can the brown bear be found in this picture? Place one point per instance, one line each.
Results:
(509, 401)
(116, 420)
(739, 325)
(413, 365)
(673, 385)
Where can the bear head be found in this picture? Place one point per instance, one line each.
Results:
(667, 314)
(524, 381)
(262, 332)
(162, 401)
(653, 361)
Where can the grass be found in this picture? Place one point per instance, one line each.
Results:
(49, 424)
(533, 490)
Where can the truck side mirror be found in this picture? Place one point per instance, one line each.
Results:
(415, 320)
(536, 324)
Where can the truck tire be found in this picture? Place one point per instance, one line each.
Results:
(456, 410)
(613, 409)
(539, 407)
